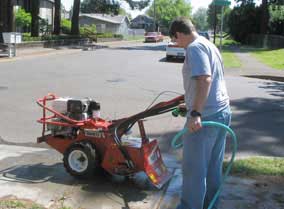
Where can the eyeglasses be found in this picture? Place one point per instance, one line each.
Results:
(173, 35)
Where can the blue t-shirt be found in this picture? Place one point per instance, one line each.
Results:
(203, 58)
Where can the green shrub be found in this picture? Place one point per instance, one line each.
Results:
(66, 26)
(44, 27)
(88, 30)
(23, 18)
(109, 35)
(27, 37)
(118, 36)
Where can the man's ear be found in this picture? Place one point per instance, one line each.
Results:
(178, 34)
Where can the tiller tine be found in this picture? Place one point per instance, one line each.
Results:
(154, 166)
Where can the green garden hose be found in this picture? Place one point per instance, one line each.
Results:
(176, 145)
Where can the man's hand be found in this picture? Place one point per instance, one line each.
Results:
(194, 124)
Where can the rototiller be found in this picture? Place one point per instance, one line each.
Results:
(74, 128)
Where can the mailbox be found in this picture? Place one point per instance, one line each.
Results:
(12, 38)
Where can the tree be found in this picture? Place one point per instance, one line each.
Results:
(200, 19)
(276, 12)
(264, 17)
(123, 12)
(264, 13)
(57, 17)
(23, 19)
(243, 21)
(167, 10)
(100, 6)
(35, 18)
(6, 16)
(76, 10)
(214, 17)
(75, 18)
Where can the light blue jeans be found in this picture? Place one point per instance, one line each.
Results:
(203, 154)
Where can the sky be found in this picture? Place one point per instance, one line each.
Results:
(194, 3)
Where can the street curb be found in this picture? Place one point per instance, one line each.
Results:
(171, 196)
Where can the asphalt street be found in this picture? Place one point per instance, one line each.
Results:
(125, 79)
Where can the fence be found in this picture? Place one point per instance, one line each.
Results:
(266, 41)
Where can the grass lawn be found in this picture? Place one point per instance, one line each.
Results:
(255, 166)
(230, 60)
(23, 204)
(18, 204)
(272, 58)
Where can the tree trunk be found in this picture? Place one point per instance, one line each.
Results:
(57, 17)
(2, 15)
(75, 18)
(264, 17)
(35, 18)
(6, 15)
(27, 5)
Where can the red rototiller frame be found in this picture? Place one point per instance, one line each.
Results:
(97, 143)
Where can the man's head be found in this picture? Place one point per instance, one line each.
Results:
(182, 31)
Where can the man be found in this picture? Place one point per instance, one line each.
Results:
(206, 99)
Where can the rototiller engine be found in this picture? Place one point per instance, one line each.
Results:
(74, 128)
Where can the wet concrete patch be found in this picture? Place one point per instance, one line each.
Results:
(41, 177)
(38, 174)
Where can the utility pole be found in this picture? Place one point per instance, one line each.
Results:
(221, 32)
(154, 15)
(221, 3)
(215, 23)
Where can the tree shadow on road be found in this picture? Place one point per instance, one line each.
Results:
(274, 84)
(258, 124)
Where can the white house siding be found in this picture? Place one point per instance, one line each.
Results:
(109, 27)
(123, 29)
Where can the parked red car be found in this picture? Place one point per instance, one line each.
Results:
(153, 37)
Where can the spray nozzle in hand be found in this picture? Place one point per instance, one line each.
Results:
(179, 111)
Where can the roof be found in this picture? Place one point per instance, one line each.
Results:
(115, 19)
(52, 1)
(144, 18)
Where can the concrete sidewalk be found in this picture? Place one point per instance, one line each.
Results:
(253, 67)
(38, 175)
(40, 51)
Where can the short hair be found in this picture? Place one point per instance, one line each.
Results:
(182, 25)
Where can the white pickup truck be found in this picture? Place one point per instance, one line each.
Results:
(173, 51)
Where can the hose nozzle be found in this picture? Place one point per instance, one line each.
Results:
(179, 111)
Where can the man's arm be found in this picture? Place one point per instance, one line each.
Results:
(203, 84)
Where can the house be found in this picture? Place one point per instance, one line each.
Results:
(116, 24)
(46, 8)
(143, 22)
(8, 8)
